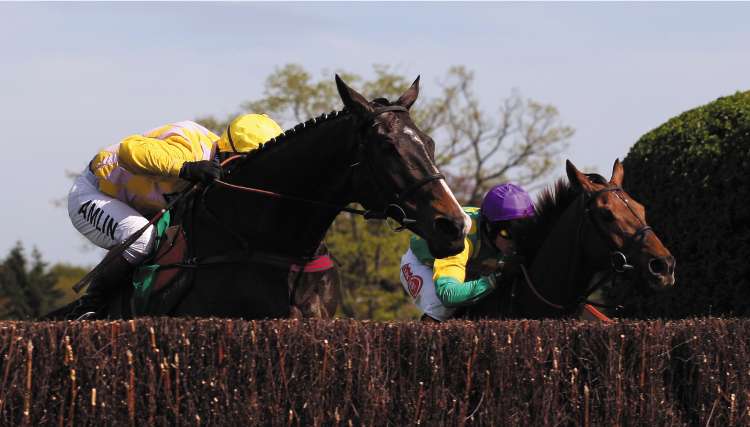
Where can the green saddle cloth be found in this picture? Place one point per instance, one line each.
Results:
(145, 274)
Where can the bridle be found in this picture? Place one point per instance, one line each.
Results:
(392, 207)
(618, 255)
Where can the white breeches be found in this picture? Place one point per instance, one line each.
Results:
(106, 221)
(417, 280)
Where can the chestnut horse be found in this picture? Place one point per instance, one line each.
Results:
(587, 232)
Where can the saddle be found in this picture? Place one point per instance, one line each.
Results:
(161, 271)
(172, 250)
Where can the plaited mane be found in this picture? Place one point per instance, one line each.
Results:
(292, 132)
(305, 126)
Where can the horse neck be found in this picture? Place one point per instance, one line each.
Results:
(312, 163)
(559, 272)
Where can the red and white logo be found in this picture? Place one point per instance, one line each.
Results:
(413, 281)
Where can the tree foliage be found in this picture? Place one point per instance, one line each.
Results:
(475, 149)
(478, 149)
(520, 141)
(369, 254)
(26, 291)
(67, 275)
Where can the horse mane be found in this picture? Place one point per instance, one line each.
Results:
(294, 131)
(299, 128)
(552, 202)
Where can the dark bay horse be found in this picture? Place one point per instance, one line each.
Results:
(587, 231)
(244, 242)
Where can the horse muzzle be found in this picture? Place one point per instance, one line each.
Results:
(448, 237)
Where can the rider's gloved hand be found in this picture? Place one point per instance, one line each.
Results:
(201, 171)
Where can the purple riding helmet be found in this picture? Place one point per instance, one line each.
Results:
(506, 202)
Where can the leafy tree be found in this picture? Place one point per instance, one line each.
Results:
(26, 292)
(475, 149)
(369, 254)
(67, 275)
(519, 141)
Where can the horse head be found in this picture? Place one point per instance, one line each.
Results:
(397, 171)
(619, 223)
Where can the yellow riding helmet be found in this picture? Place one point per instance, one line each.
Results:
(246, 132)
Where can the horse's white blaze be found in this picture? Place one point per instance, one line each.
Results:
(409, 131)
(414, 137)
(467, 220)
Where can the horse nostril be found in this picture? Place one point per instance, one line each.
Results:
(448, 227)
(658, 266)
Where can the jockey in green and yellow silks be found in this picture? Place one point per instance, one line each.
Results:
(126, 183)
(438, 286)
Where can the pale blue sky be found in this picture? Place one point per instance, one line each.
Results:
(76, 77)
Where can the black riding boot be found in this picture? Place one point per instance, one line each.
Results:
(114, 275)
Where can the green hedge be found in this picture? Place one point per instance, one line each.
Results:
(693, 175)
(169, 372)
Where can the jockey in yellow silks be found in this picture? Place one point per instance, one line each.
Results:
(125, 184)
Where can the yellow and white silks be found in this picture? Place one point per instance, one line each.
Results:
(126, 183)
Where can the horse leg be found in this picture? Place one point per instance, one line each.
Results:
(330, 292)
(304, 297)
(316, 295)
(120, 304)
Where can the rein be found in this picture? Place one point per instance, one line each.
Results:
(392, 210)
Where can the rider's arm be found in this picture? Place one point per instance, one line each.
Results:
(164, 150)
(164, 157)
(449, 275)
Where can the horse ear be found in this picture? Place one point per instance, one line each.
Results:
(617, 173)
(355, 102)
(407, 99)
(578, 179)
